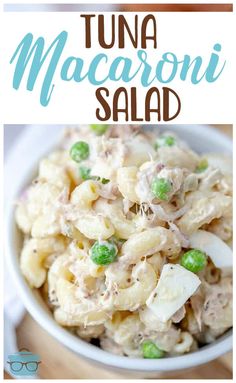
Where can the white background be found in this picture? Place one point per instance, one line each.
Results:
(181, 33)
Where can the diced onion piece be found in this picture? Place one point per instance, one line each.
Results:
(219, 252)
(175, 286)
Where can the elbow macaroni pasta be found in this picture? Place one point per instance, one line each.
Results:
(123, 227)
(144, 280)
(149, 242)
(33, 255)
(63, 216)
(85, 194)
(126, 181)
(94, 226)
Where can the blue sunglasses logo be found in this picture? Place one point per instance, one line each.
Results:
(23, 363)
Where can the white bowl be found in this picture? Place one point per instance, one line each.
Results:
(20, 168)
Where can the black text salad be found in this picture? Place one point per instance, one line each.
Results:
(128, 236)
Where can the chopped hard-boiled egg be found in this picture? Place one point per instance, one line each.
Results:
(219, 252)
(175, 286)
(222, 162)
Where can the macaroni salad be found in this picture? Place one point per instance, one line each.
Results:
(127, 234)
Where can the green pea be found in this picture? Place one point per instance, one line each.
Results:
(84, 173)
(151, 351)
(103, 253)
(202, 166)
(164, 141)
(79, 151)
(160, 188)
(99, 128)
(194, 260)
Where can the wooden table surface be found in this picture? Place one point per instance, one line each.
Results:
(60, 363)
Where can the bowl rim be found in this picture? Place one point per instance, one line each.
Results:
(83, 348)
